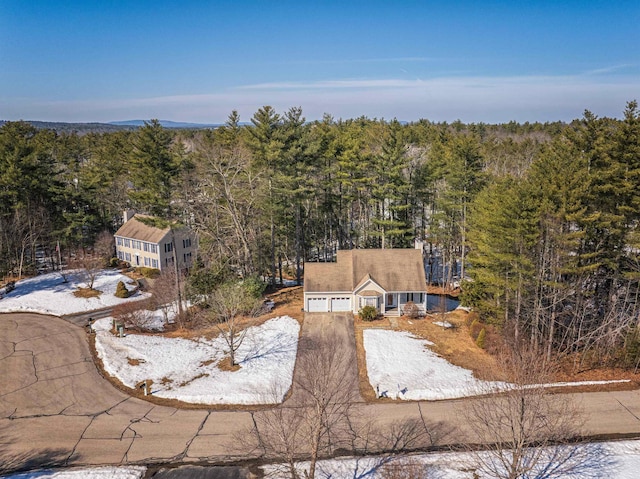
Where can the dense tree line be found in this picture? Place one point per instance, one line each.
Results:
(541, 218)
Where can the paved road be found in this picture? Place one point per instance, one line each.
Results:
(55, 406)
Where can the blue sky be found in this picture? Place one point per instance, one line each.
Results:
(198, 60)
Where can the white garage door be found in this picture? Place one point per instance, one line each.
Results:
(317, 305)
(340, 304)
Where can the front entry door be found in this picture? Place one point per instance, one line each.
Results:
(391, 300)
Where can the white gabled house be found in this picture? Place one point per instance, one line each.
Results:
(146, 241)
(386, 279)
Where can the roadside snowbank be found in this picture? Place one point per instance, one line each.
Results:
(106, 472)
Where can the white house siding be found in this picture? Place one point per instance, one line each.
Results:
(157, 255)
(138, 253)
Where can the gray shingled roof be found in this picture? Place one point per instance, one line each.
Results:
(135, 229)
(393, 269)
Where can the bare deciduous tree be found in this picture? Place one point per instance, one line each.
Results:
(527, 432)
(165, 295)
(134, 315)
(104, 247)
(89, 267)
(228, 303)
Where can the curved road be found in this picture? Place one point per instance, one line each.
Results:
(56, 408)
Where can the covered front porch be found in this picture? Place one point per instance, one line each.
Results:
(392, 303)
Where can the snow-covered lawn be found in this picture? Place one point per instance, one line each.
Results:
(186, 369)
(106, 472)
(48, 294)
(623, 458)
(402, 366)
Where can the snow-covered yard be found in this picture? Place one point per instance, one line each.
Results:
(48, 294)
(105, 472)
(623, 458)
(186, 369)
(401, 366)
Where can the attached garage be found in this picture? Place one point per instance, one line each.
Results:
(317, 305)
(341, 304)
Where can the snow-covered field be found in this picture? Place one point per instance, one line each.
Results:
(618, 460)
(186, 369)
(48, 294)
(402, 366)
(107, 472)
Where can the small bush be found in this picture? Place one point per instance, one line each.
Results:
(121, 290)
(254, 286)
(368, 313)
(411, 310)
(481, 338)
(114, 262)
(474, 328)
(150, 273)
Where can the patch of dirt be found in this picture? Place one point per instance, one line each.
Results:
(201, 375)
(86, 293)
(225, 365)
(135, 362)
(207, 362)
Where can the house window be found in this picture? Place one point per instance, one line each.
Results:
(137, 244)
(409, 297)
(119, 241)
(127, 257)
(120, 255)
(187, 258)
(146, 261)
(145, 246)
(168, 247)
(127, 243)
(154, 248)
(390, 300)
(168, 261)
(154, 263)
(186, 243)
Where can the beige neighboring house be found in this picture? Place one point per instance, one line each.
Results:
(384, 278)
(140, 243)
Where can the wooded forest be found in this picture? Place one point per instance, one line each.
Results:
(539, 222)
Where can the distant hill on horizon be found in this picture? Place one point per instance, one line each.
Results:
(166, 124)
(97, 127)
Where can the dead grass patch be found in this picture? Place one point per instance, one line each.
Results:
(165, 381)
(134, 362)
(87, 293)
(288, 302)
(189, 381)
(207, 362)
(225, 365)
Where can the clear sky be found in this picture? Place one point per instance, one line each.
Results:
(482, 60)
